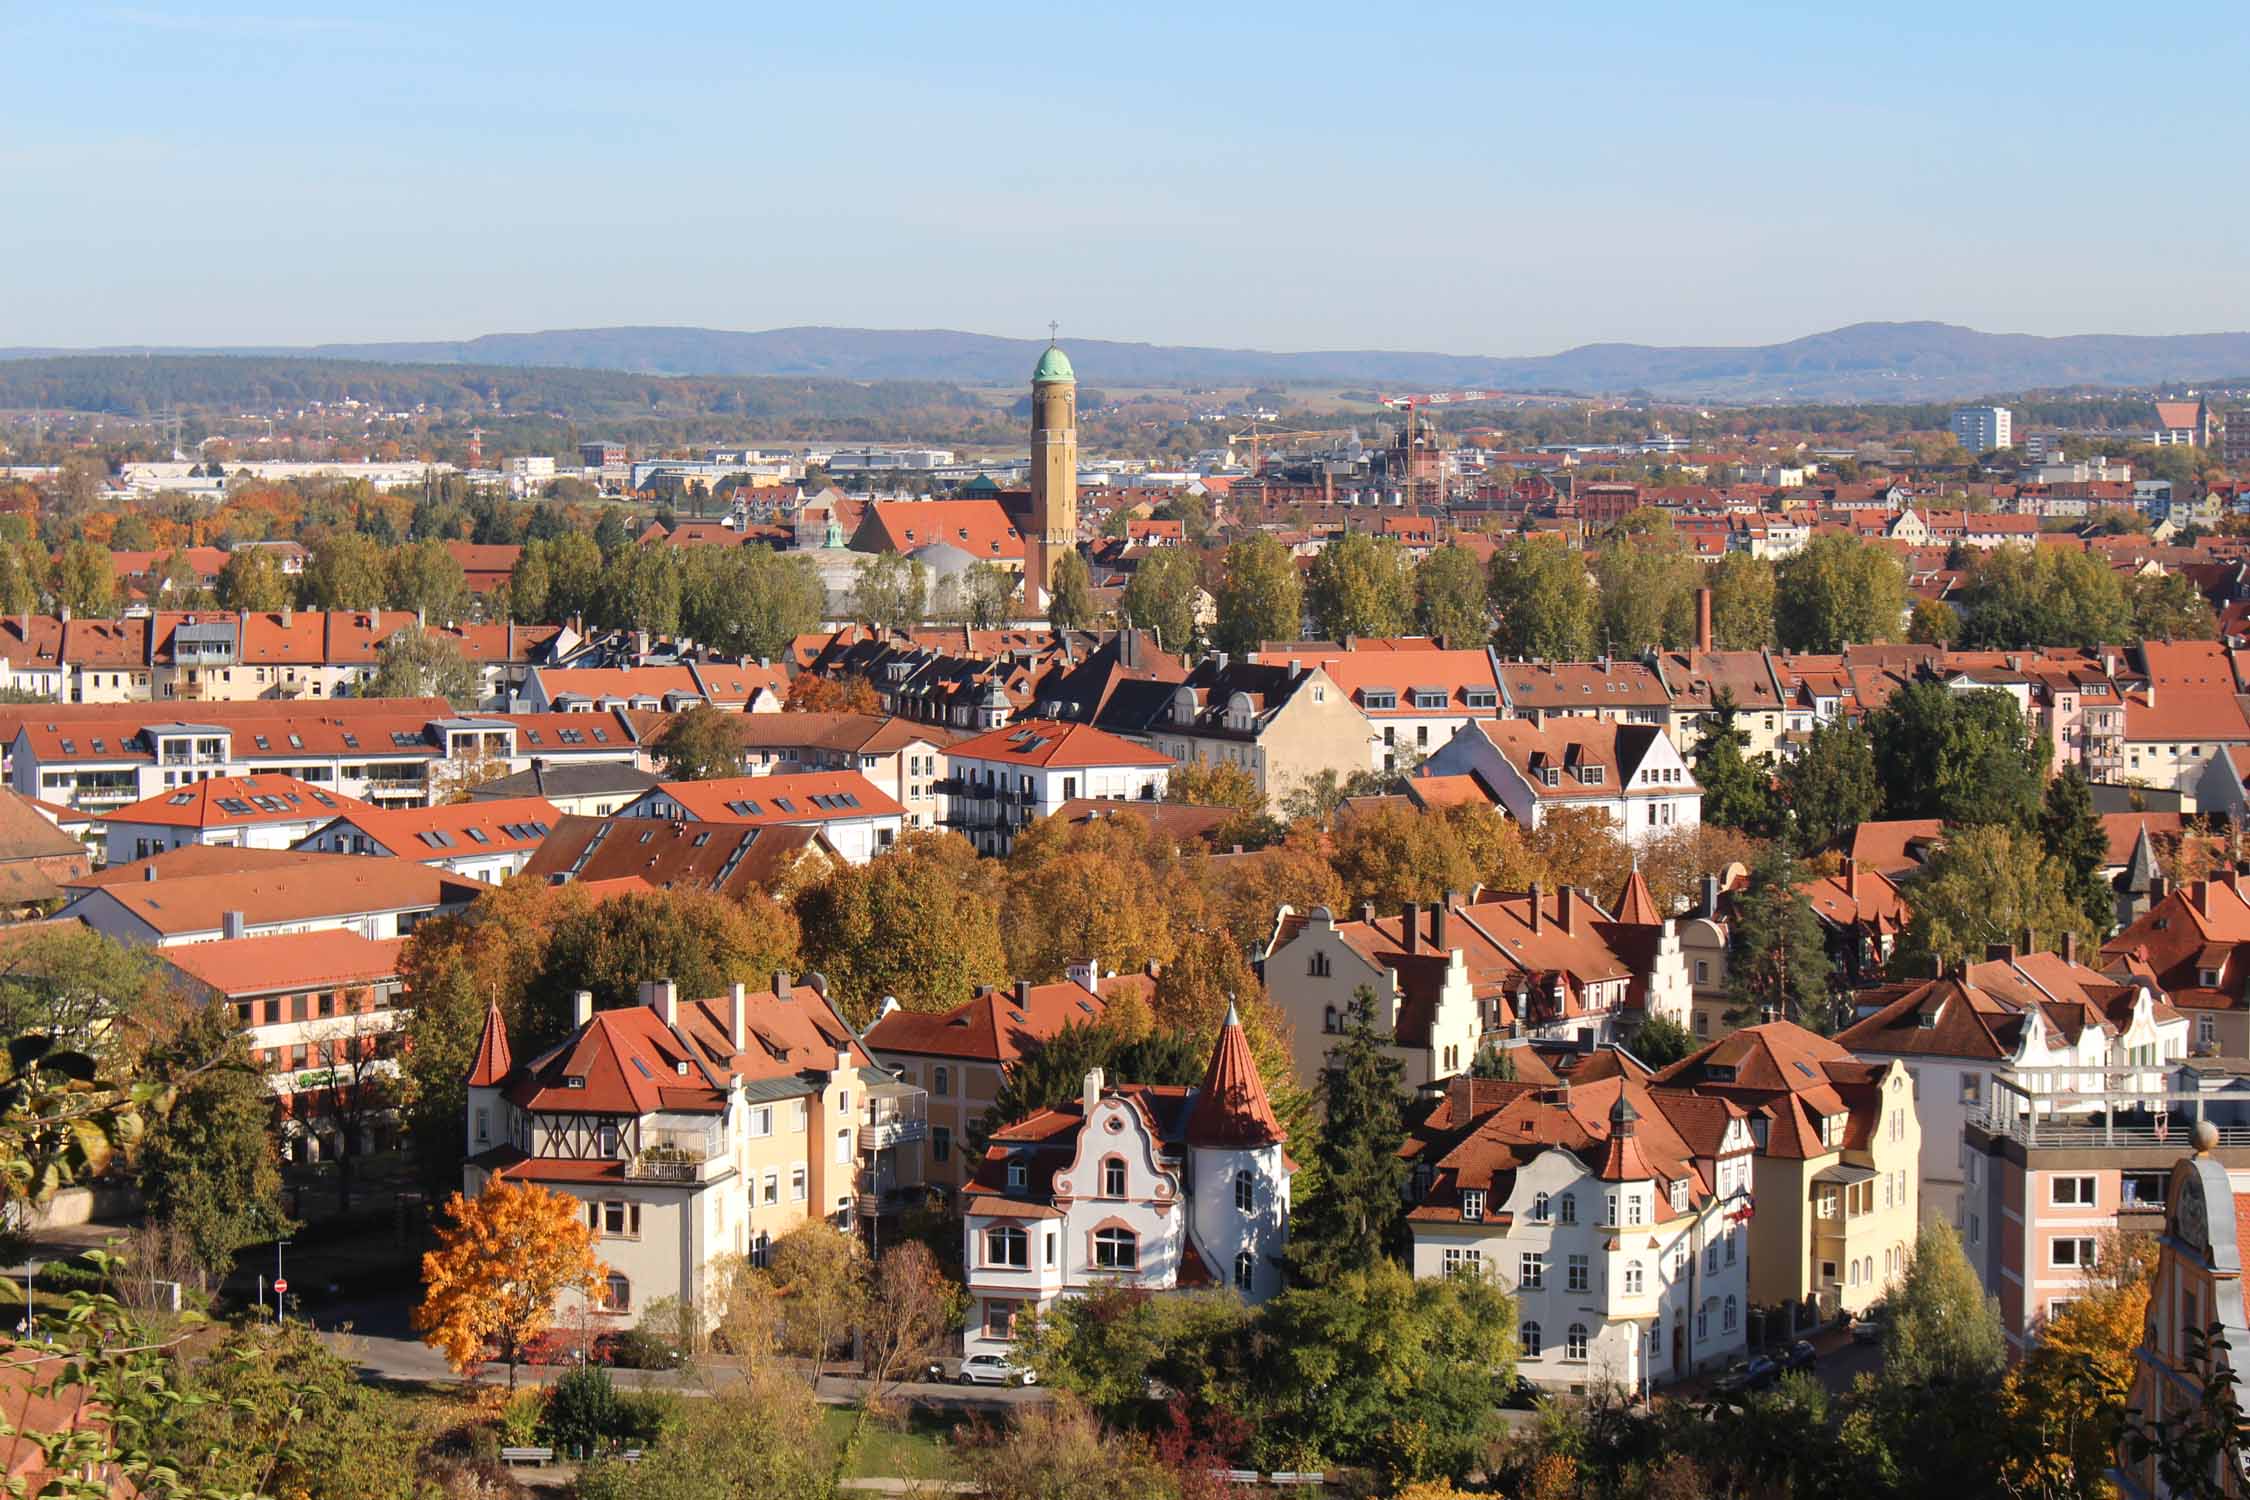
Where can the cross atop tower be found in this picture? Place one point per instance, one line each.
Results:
(1053, 327)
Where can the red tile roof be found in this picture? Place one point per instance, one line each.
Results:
(277, 963)
(1231, 1112)
(238, 802)
(1055, 744)
(802, 797)
(997, 1026)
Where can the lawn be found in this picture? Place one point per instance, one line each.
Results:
(920, 1449)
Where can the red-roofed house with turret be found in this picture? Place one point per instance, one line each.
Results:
(692, 1130)
(1158, 1187)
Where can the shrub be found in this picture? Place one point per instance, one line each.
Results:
(640, 1349)
(583, 1412)
(520, 1419)
(644, 1417)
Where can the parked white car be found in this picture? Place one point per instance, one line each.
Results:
(994, 1369)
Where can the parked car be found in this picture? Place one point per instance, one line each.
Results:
(1799, 1356)
(995, 1369)
(1867, 1330)
(1521, 1395)
(1748, 1375)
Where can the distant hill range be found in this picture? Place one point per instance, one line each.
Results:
(1883, 362)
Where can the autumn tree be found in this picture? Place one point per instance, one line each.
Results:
(1742, 602)
(1160, 597)
(1674, 861)
(1260, 596)
(702, 744)
(1940, 1323)
(902, 925)
(1096, 890)
(252, 580)
(1545, 602)
(890, 591)
(1933, 623)
(1361, 585)
(345, 571)
(819, 1276)
(1450, 602)
(810, 693)
(1389, 853)
(1838, 591)
(1500, 850)
(1224, 784)
(426, 577)
(85, 581)
(702, 941)
(1990, 885)
(2167, 607)
(1246, 894)
(1582, 847)
(503, 1260)
(2065, 1403)
(415, 664)
(1070, 593)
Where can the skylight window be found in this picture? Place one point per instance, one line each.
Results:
(296, 742)
(477, 834)
(351, 740)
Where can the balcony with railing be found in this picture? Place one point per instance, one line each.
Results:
(2127, 1108)
(894, 1119)
(688, 1153)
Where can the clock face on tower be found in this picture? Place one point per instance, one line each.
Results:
(2194, 1215)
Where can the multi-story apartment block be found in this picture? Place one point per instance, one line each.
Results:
(902, 757)
(321, 1011)
(1287, 725)
(1980, 429)
(487, 840)
(261, 811)
(1836, 1176)
(1416, 699)
(248, 892)
(2014, 1017)
(692, 1130)
(998, 781)
(855, 819)
(1616, 1214)
(1139, 1185)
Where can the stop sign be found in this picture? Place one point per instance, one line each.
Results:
(280, 1286)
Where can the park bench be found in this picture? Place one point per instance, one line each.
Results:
(512, 1457)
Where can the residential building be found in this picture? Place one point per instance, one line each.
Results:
(1616, 1214)
(961, 1057)
(1457, 976)
(1836, 1176)
(857, 820)
(694, 1129)
(2194, 943)
(37, 856)
(1629, 772)
(999, 781)
(486, 840)
(1288, 726)
(2014, 1016)
(1415, 699)
(321, 1011)
(1140, 1185)
(260, 811)
(902, 757)
(594, 791)
(1980, 429)
(377, 898)
(2186, 423)
(730, 858)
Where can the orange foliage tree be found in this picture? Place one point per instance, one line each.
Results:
(490, 1286)
(810, 694)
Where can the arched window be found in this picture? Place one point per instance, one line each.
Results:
(1574, 1342)
(1116, 1249)
(1245, 1192)
(1851, 1273)
(1245, 1266)
(1632, 1278)
(1731, 1314)
(1113, 1177)
(1567, 1209)
(1006, 1245)
(617, 1294)
(1541, 1208)
(1528, 1337)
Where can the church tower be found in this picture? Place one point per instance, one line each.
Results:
(1054, 471)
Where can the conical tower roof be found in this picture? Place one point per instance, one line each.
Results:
(1635, 905)
(2142, 869)
(493, 1061)
(1622, 1160)
(1231, 1111)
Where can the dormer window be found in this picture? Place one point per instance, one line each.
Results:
(1679, 1195)
(2208, 978)
(1019, 1176)
(1551, 775)
(1592, 775)
(1375, 698)
(1472, 1205)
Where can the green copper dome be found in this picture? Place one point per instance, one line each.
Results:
(1053, 365)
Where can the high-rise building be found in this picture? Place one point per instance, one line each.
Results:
(1054, 470)
(1980, 429)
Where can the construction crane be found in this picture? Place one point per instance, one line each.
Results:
(1257, 434)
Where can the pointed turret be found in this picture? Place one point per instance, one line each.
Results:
(2142, 870)
(1231, 1111)
(493, 1061)
(1622, 1160)
(1636, 907)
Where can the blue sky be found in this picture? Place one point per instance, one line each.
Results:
(1475, 178)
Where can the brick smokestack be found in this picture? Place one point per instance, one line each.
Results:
(1703, 619)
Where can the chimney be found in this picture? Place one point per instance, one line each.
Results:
(1092, 1094)
(1711, 897)
(1437, 919)
(1567, 903)
(1999, 953)
(1023, 993)
(781, 984)
(1538, 900)
(1851, 883)
(663, 997)
(1080, 971)
(1367, 911)
(2070, 947)
(148, 871)
(738, 1005)
(582, 1007)
(1413, 924)
(2029, 942)
(2158, 889)
(230, 924)
(288, 615)
(1703, 619)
